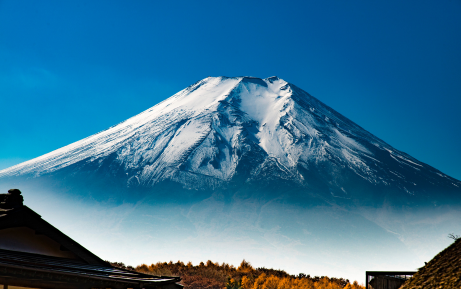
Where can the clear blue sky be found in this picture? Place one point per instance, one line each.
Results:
(69, 69)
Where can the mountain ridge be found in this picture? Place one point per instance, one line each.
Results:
(203, 131)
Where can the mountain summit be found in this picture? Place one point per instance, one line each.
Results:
(243, 129)
(242, 167)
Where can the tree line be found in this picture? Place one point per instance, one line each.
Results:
(211, 275)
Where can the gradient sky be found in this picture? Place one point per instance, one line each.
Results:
(69, 69)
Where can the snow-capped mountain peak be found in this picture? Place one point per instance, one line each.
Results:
(204, 134)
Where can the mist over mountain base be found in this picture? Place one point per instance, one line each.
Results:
(315, 237)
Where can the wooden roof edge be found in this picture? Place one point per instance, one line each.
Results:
(133, 281)
(25, 216)
(391, 272)
(27, 260)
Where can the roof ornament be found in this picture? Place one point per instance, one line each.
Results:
(11, 200)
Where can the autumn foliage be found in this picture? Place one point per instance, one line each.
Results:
(224, 276)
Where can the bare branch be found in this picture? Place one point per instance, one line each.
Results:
(453, 236)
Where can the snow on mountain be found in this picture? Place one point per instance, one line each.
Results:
(200, 136)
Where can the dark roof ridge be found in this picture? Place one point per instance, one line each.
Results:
(443, 270)
(24, 216)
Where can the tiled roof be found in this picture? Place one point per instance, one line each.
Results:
(23, 216)
(443, 271)
(85, 270)
(42, 263)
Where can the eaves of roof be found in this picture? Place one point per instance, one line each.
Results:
(49, 268)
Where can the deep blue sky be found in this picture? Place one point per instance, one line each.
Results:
(69, 69)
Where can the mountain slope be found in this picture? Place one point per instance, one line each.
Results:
(219, 128)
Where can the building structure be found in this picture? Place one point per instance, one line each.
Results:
(387, 279)
(34, 254)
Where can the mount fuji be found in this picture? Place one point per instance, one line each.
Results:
(243, 167)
